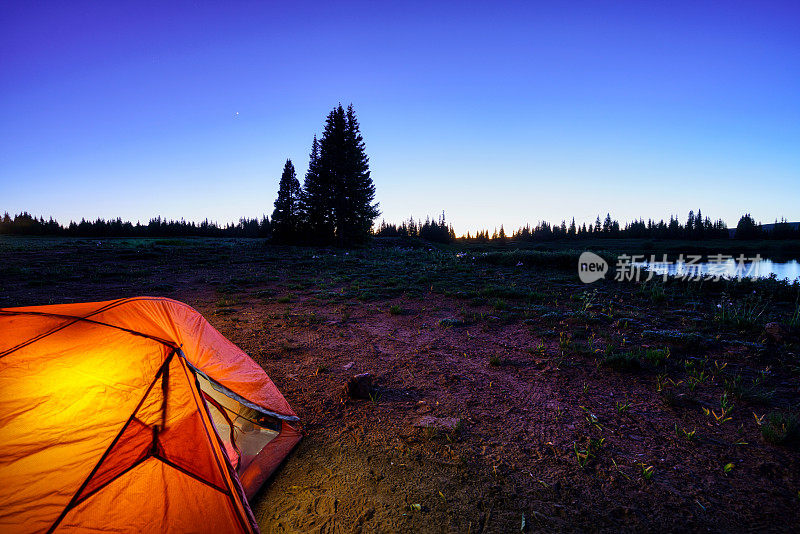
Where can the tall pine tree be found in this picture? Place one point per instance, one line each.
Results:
(286, 217)
(359, 191)
(338, 193)
(339, 197)
(317, 199)
(333, 169)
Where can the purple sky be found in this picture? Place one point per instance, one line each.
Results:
(502, 113)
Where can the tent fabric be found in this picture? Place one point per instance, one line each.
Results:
(105, 425)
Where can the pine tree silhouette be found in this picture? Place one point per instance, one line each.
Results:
(346, 212)
(358, 186)
(316, 201)
(286, 217)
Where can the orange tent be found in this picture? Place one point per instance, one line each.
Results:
(132, 415)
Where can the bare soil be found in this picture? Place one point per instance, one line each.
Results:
(552, 433)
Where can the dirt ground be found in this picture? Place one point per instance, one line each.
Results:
(550, 405)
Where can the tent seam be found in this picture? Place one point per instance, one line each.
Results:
(114, 304)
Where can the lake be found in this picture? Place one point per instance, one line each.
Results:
(789, 270)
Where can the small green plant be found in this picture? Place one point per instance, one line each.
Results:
(587, 300)
(662, 381)
(697, 373)
(647, 471)
(563, 340)
(794, 320)
(727, 468)
(396, 310)
(494, 360)
(725, 408)
(623, 408)
(685, 434)
(591, 418)
(619, 470)
(284, 299)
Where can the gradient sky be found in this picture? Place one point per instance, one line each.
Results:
(496, 113)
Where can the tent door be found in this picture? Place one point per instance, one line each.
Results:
(243, 430)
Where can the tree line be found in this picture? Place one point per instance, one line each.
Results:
(437, 231)
(430, 230)
(696, 227)
(26, 224)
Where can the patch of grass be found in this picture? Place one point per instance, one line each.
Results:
(396, 310)
(229, 288)
(500, 304)
(620, 361)
(494, 360)
(656, 357)
(369, 295)
(749, 391)
(653, 290)
(743, 315)
(634, 359)
(587, 454)
(500, 292)
(539, 349)
(305, 319)
(284, 299)
(781, 428)
(227, 302)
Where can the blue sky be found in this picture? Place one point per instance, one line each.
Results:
(496, 113)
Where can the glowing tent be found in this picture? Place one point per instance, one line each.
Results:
(133, 415)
